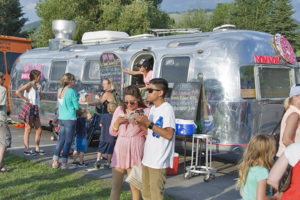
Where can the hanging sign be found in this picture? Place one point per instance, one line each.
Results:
(283, 48)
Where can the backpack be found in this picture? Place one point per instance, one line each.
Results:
(117, 98)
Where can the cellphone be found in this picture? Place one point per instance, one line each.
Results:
(139, 111)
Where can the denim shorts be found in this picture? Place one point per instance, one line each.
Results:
(106, 147)
(80, 144)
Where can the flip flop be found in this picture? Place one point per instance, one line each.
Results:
(3, 170)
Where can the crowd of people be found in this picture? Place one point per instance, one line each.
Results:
(133, 131)
(130, 132)
(263, 170)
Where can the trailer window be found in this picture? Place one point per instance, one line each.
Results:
(274, 82)
(297, 75)
(175, 69)
(2, 67)
(10, 59)
(91, 71)
(247, 82)
(58, 69)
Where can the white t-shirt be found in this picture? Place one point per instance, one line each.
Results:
(158, 151)
(3, 103)
(292, 153)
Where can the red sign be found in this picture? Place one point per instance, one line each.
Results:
(267, 60)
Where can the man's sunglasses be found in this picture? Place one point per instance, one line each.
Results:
(150, 90)
(130, 102)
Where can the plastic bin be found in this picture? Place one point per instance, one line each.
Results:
(174, 169)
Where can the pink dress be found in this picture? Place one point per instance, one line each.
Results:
(129, 147)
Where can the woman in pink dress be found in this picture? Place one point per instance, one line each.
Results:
(129, 147)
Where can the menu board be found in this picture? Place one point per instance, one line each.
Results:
(111, 68)
(185, 99)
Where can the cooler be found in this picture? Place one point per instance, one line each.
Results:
(185, 127)
(174, 169)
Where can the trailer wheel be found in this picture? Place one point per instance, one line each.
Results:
(188, 175)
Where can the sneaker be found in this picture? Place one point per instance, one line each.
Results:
(29, 153)
(107, 165)
(75, 163)
(40, 152)
(82, 165)
(97, 164)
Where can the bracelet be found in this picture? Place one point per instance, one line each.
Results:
(114, 128)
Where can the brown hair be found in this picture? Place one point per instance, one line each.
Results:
(81, 112)
(34, 74)
(132, 90)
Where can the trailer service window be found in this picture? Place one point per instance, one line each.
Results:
(175, 69)
(274, 82)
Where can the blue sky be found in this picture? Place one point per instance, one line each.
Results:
(167, 5)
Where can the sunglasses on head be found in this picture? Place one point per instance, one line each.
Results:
(150, 90)
(130, 102)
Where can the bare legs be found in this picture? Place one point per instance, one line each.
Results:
(117, 181)
(2, 152)
(37, 135)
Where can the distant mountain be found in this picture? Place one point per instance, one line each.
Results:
(31, 26)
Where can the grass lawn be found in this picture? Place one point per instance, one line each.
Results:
(30, 181)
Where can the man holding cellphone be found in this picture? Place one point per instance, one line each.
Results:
(160, 141)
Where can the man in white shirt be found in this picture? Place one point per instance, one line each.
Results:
(159, 145)
(5, 135)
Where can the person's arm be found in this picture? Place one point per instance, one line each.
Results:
(74, 100)
(290, 129)
(38, 88)
(21, 90)
(261, 191)
(166, 133)
(116, 122)
(130, 72)
(100, 101)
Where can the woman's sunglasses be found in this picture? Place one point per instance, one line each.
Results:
(150, 90)
(130, 102)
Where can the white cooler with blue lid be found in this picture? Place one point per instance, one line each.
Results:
(185, 127)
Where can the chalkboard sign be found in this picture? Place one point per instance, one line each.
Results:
(185, 99)
(110, 67)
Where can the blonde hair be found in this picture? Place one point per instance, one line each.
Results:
(260, 152)
(109, 81)
(287, 102)
(81, 112)
(66, 79)
(111, 107)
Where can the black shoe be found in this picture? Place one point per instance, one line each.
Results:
(29, 153)
(40, 152)
(82, 165)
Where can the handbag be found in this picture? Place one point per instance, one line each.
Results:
(135, 177)
(286, 180)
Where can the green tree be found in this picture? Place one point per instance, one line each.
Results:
(222, 14)
(131, 16)
(251, 14)
(281, 21)
(11, 18)
(196, 19)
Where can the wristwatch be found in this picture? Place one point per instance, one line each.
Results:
(151, 125)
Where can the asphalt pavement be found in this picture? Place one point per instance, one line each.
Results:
(221, 187)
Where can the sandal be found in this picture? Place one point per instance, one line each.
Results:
(55, 165)
(3, 170)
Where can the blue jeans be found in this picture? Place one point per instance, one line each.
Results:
(67, 129)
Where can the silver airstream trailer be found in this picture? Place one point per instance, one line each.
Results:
(246, 74)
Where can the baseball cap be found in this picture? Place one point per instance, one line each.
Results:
(295, 90)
